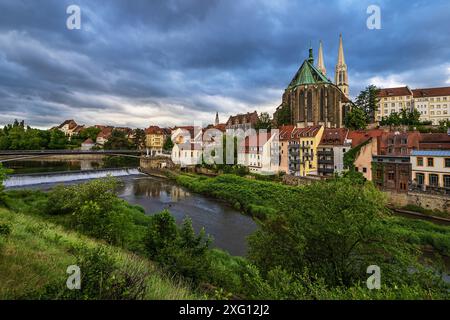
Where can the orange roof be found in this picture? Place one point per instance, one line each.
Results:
(434, 141)
(393, 143)
(431, 92)
(285, 132)
(360, 136)
(393, 92)
(154, 130)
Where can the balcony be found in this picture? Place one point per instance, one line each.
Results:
(325, 153)
(326, 161)
(325, 170)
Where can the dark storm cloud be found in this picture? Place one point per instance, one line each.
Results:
(176, 61)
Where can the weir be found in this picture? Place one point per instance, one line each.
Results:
(20, 180)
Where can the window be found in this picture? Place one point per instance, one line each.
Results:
(447, 162)
(419, 161)
(446, 181)
(391, 175)
(430, 162)
(365, 170)
(434, 180)
(420, 177)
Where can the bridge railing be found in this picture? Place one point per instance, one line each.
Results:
(64, 151)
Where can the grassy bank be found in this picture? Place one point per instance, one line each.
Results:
(35, 254)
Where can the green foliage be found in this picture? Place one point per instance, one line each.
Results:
(3, 175)
(168, 144)
(356, 119)
(264, 122)
(178, 249)
(405, 117)
(5, 229)
(350, 156)
(17, 136)
(283, 115)
(367, 101)
(94, 209)
(139, 139)
(118, 141)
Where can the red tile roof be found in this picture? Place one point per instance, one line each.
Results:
(431, 92)
(249, 117)
(154, 130)
(393, 92)
(398, 143)
(285, 132)
(72, 124)
(434, 141)
(334, 136)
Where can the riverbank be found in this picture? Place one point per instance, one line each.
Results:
(35, 254)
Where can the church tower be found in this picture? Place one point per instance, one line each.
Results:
(320, 61)
(217, 119)
(341, 75)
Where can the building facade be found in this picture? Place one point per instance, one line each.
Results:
(331, 150)
(393, 100)
(302, 150)
(244, 121)
(154, 140)
(260, 153)
(431, 170)
(433, 104)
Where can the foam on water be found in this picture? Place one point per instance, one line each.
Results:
(44, 178)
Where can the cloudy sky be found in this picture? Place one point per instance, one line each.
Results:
(135, 63)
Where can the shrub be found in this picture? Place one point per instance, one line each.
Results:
(5, 229)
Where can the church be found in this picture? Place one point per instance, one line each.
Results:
(312, 98)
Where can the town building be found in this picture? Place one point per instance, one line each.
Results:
(70, 128)
(433, 104)
(312, 98)
(260, 153)
(393, 100)
(154, 140)
(302, 149)
(331, 150)
(431, 170)
(244, 121)
(391, 172)
(188, 146)
(285, 136)
(87, 145)
(103, 135)
(365, 145)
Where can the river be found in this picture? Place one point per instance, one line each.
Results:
(228, 227)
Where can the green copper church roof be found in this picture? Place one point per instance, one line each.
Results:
(308, 74)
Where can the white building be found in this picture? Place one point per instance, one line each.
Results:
(433, 104)
(260, 153)
(187, 149)
(393, 100)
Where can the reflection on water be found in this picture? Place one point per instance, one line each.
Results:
(228, 227)
(35, 166)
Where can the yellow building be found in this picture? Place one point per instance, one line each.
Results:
(303, 150)
(393, 100)
(431, 169)
(154, 140)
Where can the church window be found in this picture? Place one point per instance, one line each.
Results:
(309, 106)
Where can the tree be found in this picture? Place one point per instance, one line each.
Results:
(368, 101)
(333, 237)
(118, 141)
(3, 173)
(356, 119)
(283, 115)
(139, 139)
(263, 122)
(168, 144)
(58, 140)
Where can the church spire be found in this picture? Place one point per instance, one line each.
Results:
(341, 60)
(320, 62)
(217, 119)
(311, 57)
(341, 74)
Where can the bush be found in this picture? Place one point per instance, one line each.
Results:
(178, 249)
(102, 278)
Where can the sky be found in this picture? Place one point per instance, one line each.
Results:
(172, 62)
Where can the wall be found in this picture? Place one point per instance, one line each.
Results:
(427, 201)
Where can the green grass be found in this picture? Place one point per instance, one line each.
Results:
(428, 212)
(37, 253)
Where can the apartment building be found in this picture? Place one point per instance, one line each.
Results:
(433, 104)
(285, 135)
(393, 100)
(260, 153)
(431, 170)
(302, 149)
(331, 150)
(154, 140)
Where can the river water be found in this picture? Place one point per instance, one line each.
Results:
(228, 227)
